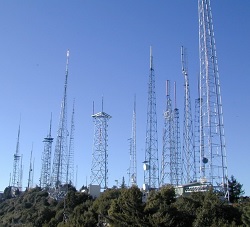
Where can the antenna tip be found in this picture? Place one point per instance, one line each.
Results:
(68, 53)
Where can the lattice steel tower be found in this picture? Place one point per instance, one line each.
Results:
(99, 167)
(59, 168)
(70, 164)
(176, 159)
(166, 175)
(17, 172)
(151, 165)
(46, 159)
(212, 150)
(133, 162)
(198, 143)
(188, 152)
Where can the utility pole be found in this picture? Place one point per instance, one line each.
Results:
(151, 165)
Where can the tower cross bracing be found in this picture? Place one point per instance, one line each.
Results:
(17, 170)
(46, 159)
(188, 152)
(99, 167)
(133, 161)
(213, 167)
(59, 168)
(151, 165)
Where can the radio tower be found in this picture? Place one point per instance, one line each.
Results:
(198, 141)
(212, 150)
(176, 159)
(151, 166)
(70, 165)
(133, 163)
(99, 168)
(30, 183)
(59, 168)
(168, 143)
(17, 169)
(189, 169)
(46, 159)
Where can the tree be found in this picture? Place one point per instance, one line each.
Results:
(235, 190)
(160, 209)
(214, 211)
(246, 214)
(127, 210)
(7, 194)
(188, 206)
(123, 185)
(102, 204)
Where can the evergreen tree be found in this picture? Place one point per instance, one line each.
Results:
(246, 214)
(123, 185)
(127, 210)
(235, 190)
(160, 209)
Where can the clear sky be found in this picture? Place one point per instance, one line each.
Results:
(109, 56)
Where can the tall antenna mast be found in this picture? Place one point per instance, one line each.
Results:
(133, 162)
(213, 151)
(168, 142)
(151, 165)
(21, 175)
(176, 161)
(16, 176)
(30, 169)
(189, 169)
(59, 168)
(46, 159)
(99, 167)
(70, 165)
(76, 176)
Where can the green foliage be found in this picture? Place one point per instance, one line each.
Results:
(123, 185)
(235, 190)
(161, 210)
(246, 214)
(122, 207)
(7, 193)
(127, 210)
(214, 211)
(102, 204)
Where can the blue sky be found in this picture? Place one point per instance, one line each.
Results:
(109, 56)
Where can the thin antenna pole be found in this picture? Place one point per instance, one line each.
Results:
(50, 125)
(102, 103)
(30, 169)
(175, 102)
(32, 175)
(167, 88)
(21, 175)
(76, 176)
(10, 179)
(151, 59)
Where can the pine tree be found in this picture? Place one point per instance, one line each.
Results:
(235, 190)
